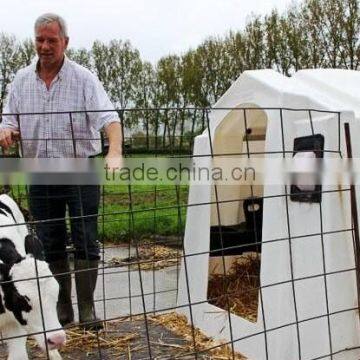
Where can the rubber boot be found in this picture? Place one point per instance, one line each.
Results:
(85, 279)
(64, 305)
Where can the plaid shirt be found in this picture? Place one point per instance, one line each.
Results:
(58, 135)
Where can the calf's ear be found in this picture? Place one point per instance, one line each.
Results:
(8, 252)
(34, 247)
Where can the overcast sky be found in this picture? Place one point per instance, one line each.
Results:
(155, 27)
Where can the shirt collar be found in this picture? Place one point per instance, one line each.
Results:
(62, 72)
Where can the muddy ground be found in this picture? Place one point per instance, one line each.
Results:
(123, 340)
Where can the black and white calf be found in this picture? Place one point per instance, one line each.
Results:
(28, 291)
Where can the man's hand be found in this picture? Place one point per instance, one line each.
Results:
(114, 161)
(8, 137)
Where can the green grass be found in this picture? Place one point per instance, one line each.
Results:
(141, 211)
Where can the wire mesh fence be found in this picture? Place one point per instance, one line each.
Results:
(222, 270)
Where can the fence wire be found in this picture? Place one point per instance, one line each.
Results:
(143, 255)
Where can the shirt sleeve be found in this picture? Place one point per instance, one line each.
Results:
(11, 107)
(98, 100)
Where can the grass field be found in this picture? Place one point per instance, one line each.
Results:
(141, 211)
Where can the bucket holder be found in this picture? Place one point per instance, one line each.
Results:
(314, 144)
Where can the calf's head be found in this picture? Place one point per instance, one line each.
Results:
(34, 281)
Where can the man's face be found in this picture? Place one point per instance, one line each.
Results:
(50, 44)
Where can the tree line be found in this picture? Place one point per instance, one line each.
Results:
(311, 34)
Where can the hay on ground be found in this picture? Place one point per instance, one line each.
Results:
(237, 291)
(196, 340)
(151, 257)
(170, 337)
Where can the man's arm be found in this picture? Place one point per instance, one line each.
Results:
(114, 134)
(9, 133)
(114, 156)
(97, 99)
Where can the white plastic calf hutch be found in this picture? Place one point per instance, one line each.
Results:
(302, 313)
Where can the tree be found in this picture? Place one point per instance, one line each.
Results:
(27, 52)
(311, 12)
(101, 57)
(125, 67)
(350, 23)
(193, 93)
(9, 64)
(81, 56)
(168, 82)
(214, 63)
(327, 18)
(272, 33)
(145, 101)
(235, 44)
(255, 45)
(118, 66)
(295, 36)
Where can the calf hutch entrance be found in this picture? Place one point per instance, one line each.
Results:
(270, 269)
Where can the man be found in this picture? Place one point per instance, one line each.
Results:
(56, 84)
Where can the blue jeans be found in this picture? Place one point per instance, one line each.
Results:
(49, 202)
